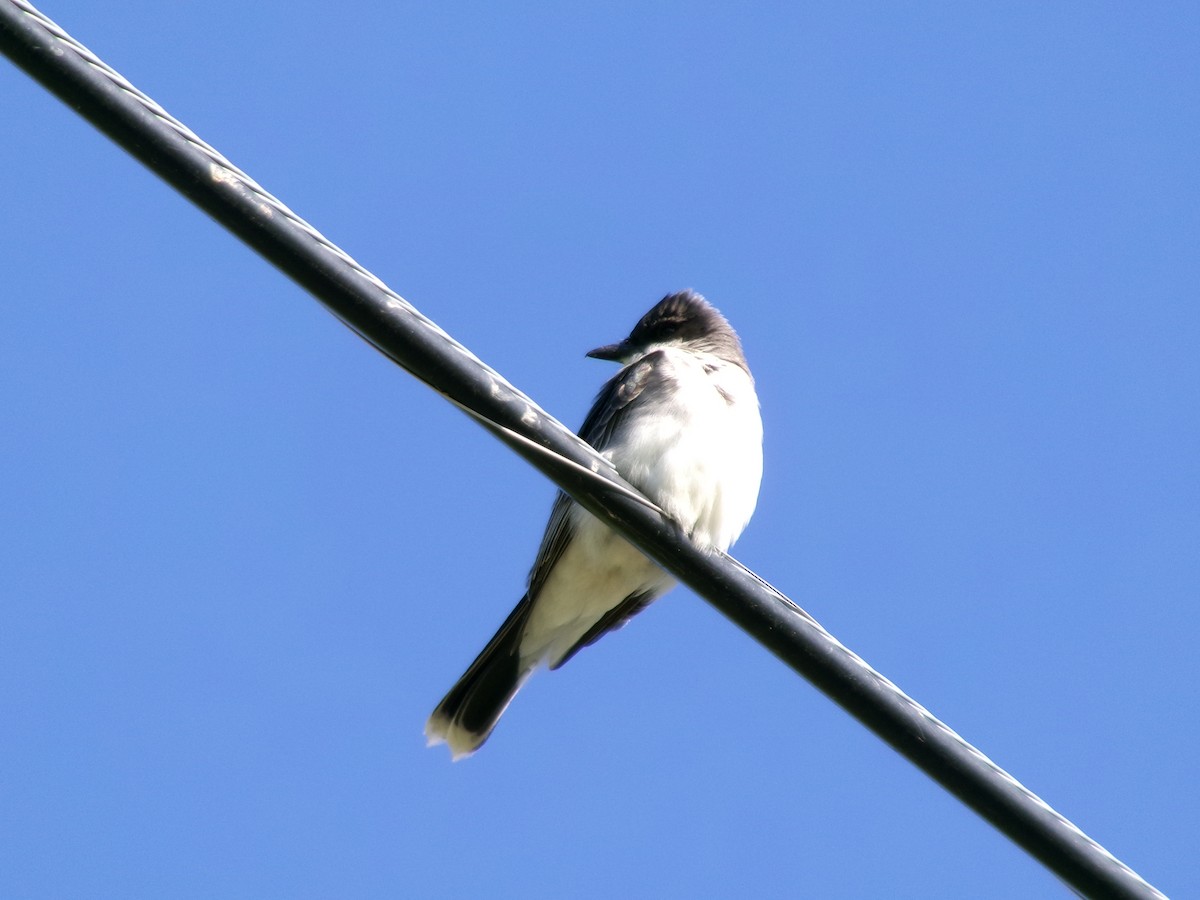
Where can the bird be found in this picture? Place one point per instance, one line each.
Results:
(680, 422)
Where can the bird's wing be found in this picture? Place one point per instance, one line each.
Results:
(559, 532)
(608, 411)
(652, 372)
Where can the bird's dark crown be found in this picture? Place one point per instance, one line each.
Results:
(687, 318)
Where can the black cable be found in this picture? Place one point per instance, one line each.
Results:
(395, 328)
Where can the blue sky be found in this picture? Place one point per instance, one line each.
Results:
(242, 555)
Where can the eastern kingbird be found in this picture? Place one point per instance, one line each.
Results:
(680, 422)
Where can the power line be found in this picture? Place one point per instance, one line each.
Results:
(397, 329)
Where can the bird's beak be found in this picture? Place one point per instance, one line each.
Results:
(613, 352)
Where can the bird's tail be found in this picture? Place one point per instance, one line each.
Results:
(468, 713)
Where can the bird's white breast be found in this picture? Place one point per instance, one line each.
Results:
(698, 453)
